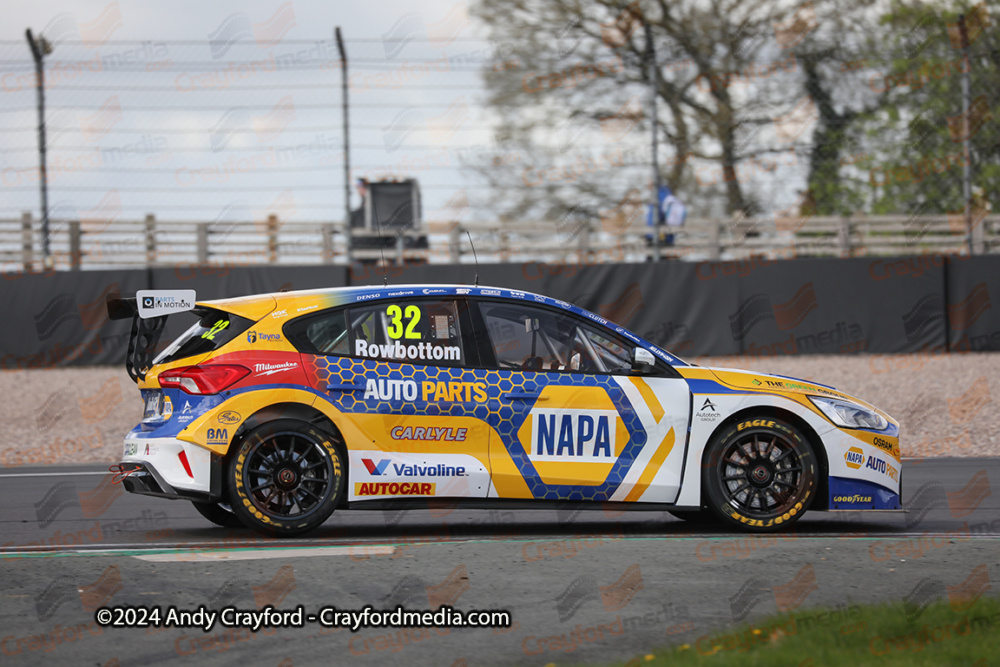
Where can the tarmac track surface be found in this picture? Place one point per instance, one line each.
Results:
(582, 587)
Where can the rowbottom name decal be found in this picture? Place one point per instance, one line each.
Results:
(393, 489)
(566, 435)
(400, 351)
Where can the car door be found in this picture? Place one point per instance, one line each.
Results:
(572, 420)
(398, 369)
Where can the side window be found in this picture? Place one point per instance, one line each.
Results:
(418, 331)
(525, 337)
(323, 333)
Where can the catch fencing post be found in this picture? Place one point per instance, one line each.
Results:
(27, 242)
(844, 236)
(150, 233)
(202, 242)
(328, 243)
(454, 243)
(714, 243)
(272, 238)
(75, 256)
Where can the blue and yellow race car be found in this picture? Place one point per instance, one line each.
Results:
(272, 411)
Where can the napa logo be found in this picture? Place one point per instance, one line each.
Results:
(573, 436)
(854, 458)
(376, 469)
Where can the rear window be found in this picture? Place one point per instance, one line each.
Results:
(212, 331)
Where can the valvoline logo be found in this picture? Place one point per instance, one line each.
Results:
(376, 468)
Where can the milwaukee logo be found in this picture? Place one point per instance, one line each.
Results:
(271, 369)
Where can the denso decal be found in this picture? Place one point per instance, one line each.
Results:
(566, 435)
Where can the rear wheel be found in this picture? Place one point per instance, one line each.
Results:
(760, 475)
(286, 477)
(219, 513)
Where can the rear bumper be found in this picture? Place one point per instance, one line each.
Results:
(145, 480)
(171, 468)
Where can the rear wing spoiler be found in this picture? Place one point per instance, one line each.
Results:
(148, 310)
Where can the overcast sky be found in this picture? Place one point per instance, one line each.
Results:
(216, 129)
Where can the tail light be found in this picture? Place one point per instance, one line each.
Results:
(203, 380)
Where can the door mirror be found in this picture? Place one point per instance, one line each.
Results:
(643, 360)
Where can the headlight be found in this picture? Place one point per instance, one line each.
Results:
(849, 415)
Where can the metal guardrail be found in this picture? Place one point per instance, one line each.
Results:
(83, 244)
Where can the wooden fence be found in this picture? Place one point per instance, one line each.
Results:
(82, 244)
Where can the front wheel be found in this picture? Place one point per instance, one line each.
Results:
(286, 477)
(760, 474)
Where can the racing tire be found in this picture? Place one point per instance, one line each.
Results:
(218, 513)
(760, 474)
(286, 477)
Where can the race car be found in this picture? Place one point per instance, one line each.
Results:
(272, 411)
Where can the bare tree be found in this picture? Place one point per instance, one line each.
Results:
(570, 82)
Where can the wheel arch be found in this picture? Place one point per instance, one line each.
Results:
(821, 501)
(304, 413)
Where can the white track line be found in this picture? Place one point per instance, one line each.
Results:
(51, 474)
(264, 554)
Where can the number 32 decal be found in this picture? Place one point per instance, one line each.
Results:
(396, 316)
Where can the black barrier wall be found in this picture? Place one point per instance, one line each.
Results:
(757, 307)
